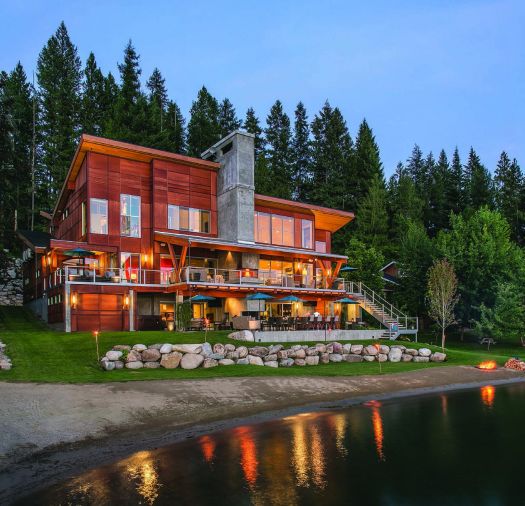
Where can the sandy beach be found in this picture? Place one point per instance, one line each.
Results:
(52, 431)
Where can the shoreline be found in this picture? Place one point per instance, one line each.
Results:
(47, 447)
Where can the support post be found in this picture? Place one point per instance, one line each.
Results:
(67, 307)
(131, 311)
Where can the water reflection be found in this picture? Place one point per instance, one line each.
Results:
(488, 393)
(142, 470)
(208, 448)
(249, 460)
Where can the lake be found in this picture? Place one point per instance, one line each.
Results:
(456, 448)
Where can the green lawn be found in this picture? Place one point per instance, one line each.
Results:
(43, 355)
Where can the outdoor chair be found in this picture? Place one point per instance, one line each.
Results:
(337, 323)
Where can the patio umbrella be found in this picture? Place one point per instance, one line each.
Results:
(79, 253)
(347, 268)
(259, 296)
(291, 298)
(346, 300)
(201, 299)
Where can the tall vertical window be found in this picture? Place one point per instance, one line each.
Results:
(130, 215)
(130, 265)
(262, 228)
(307, 234)
(188, 218)
(282, 230)
(83, 219)
(98, 216)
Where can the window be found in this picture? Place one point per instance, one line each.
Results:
(130, 215)
(83, 220)
(282, 230)
(320, 246)
(307, 234)
(130, 265)
(98, 216)
(262, 228)
(187, 218)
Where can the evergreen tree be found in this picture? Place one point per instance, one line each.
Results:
(367, 162)
(6, 166)
(175, 129)
(426, 188)
(509, 189)
(478, 183)
(94, 102)
(59, 80)
(157, 89)
(417, 169)
(368, 262)
(455, 194)
(332, 176)
(301, 154)
(251, 125)
(203, 128)
(228, 120)
(159, 136)
(372, 217)
(278, 151)
(263, 179)
(439, 177)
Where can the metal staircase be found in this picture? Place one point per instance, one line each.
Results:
(395, 321)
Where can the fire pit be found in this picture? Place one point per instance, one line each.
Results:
(488, 365)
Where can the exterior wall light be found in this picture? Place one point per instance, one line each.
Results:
(126, 302)
(74, 300)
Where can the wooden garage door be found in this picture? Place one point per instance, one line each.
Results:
(99, 312)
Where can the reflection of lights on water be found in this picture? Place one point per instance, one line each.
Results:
(249, 460)
(488, 393)
(300, 454)
(338, 424)
(377, 424)
(317, 457)
(208, 448)
(444, 404)
(141, 468)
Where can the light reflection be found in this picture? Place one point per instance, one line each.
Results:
(317, 457)
(249, 462)
(488, 393)
(141, 469)
(377, 424)
(444, 405)
(208, 448)
(300, 453)
(338, 423)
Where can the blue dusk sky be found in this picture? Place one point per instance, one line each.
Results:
(439, 73)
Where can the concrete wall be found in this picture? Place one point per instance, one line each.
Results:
(291, 336)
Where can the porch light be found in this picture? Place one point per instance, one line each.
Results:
(48, 260)
(74, 300)
(126, 302)
(145, 258)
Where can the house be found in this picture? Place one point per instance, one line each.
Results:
(135, 231)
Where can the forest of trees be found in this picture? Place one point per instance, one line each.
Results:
(415, 216)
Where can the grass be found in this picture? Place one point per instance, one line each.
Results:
(43, 355)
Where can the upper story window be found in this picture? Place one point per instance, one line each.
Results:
(83, 219)
(98, 216)
(307, 233)
(188, 218)
(320, 246)
(274, 229)
(130, 215)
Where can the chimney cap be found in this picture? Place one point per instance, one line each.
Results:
(211, 151)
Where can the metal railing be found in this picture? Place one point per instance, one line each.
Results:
(138, 276)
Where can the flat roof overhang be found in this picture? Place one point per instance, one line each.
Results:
(263, 249)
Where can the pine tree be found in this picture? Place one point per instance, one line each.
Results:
(94, 105)
(425, 188)
(372, 217)
(416, 168)
(157, 89)
(228, 120)
(251, 125)
(157, 104)
(367, 161)
(332, 176)
(175, 129)
(509, 188)
(455, 186)
(301, 154)
(439, 175)
(6, 166)
(109, 98)
(478, 183)
(278, 151)
(203, 128)
(59, 80)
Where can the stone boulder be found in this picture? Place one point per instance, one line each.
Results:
(243, 361)
(135, 364)
(217, 356)
(421, 359)
(395, 354)
(312, 360)
(113, 355)
(151, 365)
(166, 348)
(210, 362)
(151, 355)
(107, 365)
(286, 362)
(271, 363)
(191, 361)
(258, 351)
(438, 357)
(140, 347)
(275, 348)
(352, 357)
(187, 348)
(156, 346)
(405, 357)
(119, 364)
(219, 349)
(134, 356)
(242, 351)
(371, 350)
(270, 358)
(253, 360)
(300, 353)
(121, 347)
(242, 335)
(206, 349)
(424, 352)
(336, 357)
(384, 349)
(347, 349)
(324, 358)
(229, 347)
(232, 355)
(412, 351)
(321, 348)
(282, 354)
(356, 349)
(300, 361)
(337, 347)
(312, 352)
(369, 358)
(382, 357)
(226, 361)
(171, 360)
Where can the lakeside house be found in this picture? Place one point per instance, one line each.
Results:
(136, 231)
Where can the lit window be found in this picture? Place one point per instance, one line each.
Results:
(185, 218)
(320, 246)
(130, 215)
(282, 230)
(262, 228)
(83, 220)
(173, 217)
(130, 265)
(288, 231)
(98, 216)
(306, 234)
